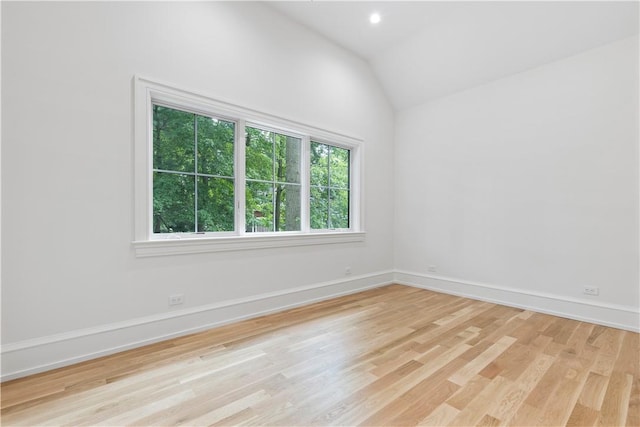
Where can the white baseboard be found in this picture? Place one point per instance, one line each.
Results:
(616, 316)
(42, 354)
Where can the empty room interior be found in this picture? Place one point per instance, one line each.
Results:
(320, 213)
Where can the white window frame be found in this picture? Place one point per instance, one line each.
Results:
(146, 243)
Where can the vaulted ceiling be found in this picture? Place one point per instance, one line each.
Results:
(422, 50)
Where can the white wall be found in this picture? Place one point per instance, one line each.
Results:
(525, 190)
(71, 284)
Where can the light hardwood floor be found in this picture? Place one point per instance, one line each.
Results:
(389, 356)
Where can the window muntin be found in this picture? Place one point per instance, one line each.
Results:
(193, 172)
(330, 187)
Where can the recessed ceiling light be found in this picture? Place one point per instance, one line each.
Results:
(375, 17)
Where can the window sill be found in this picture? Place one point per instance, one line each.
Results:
(196, 245)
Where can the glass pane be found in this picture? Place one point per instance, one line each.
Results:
(215, 146)
(215, 204)
(339, 209)
(173, 203)
(319, 164)
(287, 158)
(287, 215)
(259, 154)
(173, 139)
(259, 213)
(339, 168)
(319, 208)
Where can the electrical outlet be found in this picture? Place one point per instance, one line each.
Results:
(589, 290)
(176, 299)
(347, 271)
(432, 268)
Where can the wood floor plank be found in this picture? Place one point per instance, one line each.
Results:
(592, 393)
(517, 391)
(475, 410)
(441, 416)
(582, 416)
(393, 355)
(468, 392)
(488, 421)
(616, 400)
(526, 415)
(479, 363)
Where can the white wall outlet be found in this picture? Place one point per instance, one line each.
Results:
(176, 299)
(347, 271)
(590, 290)
(432, 268)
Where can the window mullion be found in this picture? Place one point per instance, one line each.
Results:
(305, 185)
(195, 170)
(240, 177)
(329, 225)
(274, 168)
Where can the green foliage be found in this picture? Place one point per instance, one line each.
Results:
(216, 203)
(173, 203)
(173, 140)
(215, 146)
(193, 178)
(259, 155)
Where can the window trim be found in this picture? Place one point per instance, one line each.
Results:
(145, 243)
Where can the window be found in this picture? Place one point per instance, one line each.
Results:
(193, 178)
(273, 184)
(214, 176)
(329, 186)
